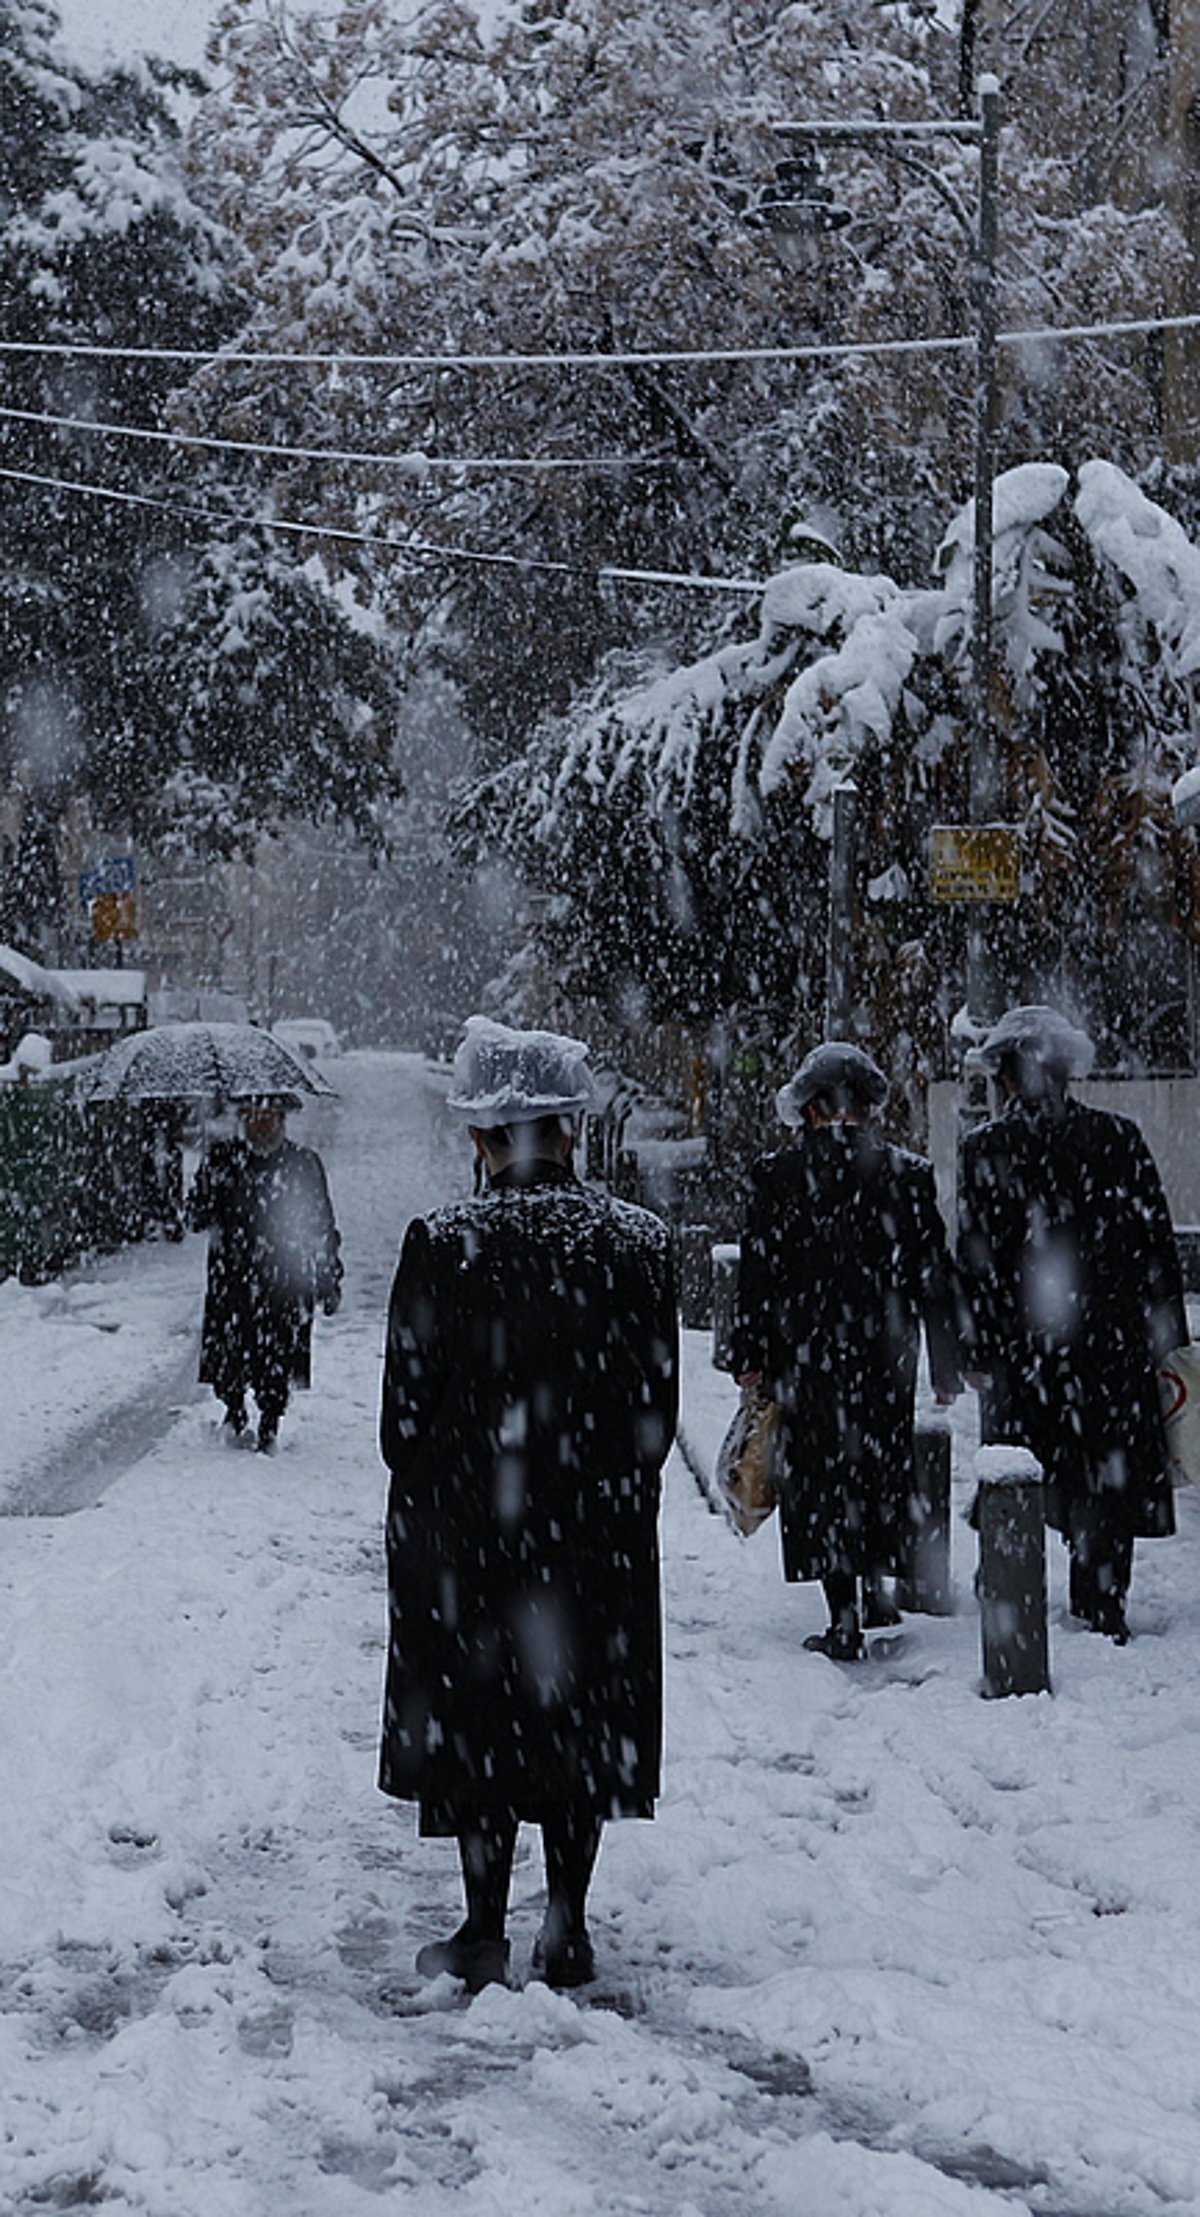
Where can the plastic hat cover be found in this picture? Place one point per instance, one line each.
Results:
(247, 1102)
(836, 1064)
(1039, 1035)
(503, 1076)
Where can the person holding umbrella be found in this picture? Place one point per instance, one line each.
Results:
(529, 1403)
(274, 1252)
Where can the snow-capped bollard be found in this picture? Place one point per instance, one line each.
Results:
(927, 1589)
(1011, 1579)
(725, 1260)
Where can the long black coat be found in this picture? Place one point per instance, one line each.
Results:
(843, 1257)
(273, 1252)
(1070, 1265)
(529, 1401)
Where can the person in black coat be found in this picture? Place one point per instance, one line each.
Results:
(273, 1253)
(843, 1258)
(1070, 1265)
(529, 1402)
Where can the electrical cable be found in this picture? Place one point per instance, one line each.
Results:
(818, 351)
(414, 464)
(426, 549)
(697, 356)
(417, 464)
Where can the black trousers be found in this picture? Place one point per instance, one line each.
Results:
(570, 1842)
(1101, 1547)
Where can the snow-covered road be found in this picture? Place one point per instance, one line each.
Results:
(888, 1951)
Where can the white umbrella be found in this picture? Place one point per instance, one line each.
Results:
(179, 1062)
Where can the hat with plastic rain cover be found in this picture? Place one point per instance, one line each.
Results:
(503, 1076)
(1037, 1036)
(836, 1067)
(246, 1103)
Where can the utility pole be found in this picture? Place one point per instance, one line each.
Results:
(839, 992)
(797, 226)
(983, 764)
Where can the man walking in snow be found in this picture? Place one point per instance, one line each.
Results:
(529, 1403)
(273, 1253)
(1070, 1265)
(843, 1257)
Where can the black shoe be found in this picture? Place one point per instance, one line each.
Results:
(568, 1960)
(839, 1646)
(478, 1963)
(268, 1433)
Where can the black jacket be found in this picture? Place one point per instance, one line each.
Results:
(1070, 1265)
(273, 1252)
(843, 1258)
(529, 1402)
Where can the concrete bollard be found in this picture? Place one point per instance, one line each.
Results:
(725, 1260)
(1011, 1579)
(927, 1589)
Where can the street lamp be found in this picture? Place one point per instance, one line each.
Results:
(806, 217)
(839, 992)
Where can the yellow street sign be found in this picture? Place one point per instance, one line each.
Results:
(114, 916)
(974, 862)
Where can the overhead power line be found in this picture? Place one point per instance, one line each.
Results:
(817, 351)
(413, 464)
(430, 550)
(424, 549)
(236, 357)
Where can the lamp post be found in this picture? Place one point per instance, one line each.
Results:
(839, 995)
(794, 226)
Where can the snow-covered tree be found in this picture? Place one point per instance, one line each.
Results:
(715, 784)
(582, 175)
(184, 675)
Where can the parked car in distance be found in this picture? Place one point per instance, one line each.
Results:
(310, 1038)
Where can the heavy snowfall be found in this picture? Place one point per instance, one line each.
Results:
(888, 1947)
(494, 523)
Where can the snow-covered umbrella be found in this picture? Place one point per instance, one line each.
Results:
(178, 1062)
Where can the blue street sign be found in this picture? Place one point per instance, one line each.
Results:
(114, 875)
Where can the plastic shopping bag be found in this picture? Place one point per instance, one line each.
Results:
(745, 1464)
(1179, 1385)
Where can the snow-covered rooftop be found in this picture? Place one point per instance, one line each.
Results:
(33, 977)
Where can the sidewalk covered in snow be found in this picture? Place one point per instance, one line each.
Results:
(889, 1948)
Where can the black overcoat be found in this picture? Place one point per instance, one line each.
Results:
(843, 1257)
(1070, 1265)
(273, 1251)
(529, 1401)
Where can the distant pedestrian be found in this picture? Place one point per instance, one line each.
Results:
(529, 1403)
(274, 1252)
(162, 1169)
(843, 1258)
(1070, 1265)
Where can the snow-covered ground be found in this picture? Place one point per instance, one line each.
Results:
(890, 1950)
